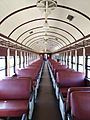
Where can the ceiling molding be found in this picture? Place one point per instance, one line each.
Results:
(30, 40)
(59, 6)
(48, 19)
(43, 33)
(50, 27)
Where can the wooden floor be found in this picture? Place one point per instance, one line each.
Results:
(46, 107)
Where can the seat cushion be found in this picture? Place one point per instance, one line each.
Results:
(13, 108)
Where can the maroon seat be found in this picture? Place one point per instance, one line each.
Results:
(53, 64)
(62, 68)
(70, 90)
(14, 97)
(59, 68)
(80, 105)
(33, 73)
(20, 78)
(67, 79)
(32, 84)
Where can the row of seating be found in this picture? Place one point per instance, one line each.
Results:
(18, 93)
(70, 88)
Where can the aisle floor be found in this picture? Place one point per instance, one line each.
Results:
(46, 107)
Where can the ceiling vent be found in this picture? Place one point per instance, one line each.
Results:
(30, 32)
(70, 17)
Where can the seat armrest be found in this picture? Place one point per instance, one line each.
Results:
(87, 82)
(69, 117)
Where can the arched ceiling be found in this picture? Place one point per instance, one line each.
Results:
(22, 21)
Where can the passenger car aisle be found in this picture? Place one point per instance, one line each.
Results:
(46, 105)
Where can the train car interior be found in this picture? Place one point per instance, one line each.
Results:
(44, 60)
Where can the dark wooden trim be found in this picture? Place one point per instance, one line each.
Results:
(86, 61)
(25, 8)
(14, 63)
(12, 52)
(87, 49)
(80, 52)
(23, 46)
(65, 47)
(5, 65)
(27, 31)
(43, 36)
(50, 27)
(60, 6)
(48, 35)
(48, 19)
(58, 44)
(3, 51)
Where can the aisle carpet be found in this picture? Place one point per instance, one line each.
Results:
(46, 107)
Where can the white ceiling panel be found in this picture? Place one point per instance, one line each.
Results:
(22, 21)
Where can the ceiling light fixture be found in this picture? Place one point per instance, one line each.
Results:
(41, 4)
(45, 36)
(46, 6)
(46, 26)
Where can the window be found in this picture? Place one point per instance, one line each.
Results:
(80, 63)
(69, 62)
(11, 65)
(18, 61)
(57, 57)
(64, 60)
(23, 61)
(88, 67)
(2, 67)
(73, 63)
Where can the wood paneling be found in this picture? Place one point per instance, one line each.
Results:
(3, 51)
(87, 51)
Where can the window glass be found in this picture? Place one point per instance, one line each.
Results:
(11, 65)
(88, 62)
(2, 74)
(2, 67)
(2, 62)
(73, 59)
(88, 72)
(88, 67)
(73, 63)
(70, 61)
(80, 63)
(81, 60)
(22, 61)
(74, 66)
(18, 62)
(80, 68)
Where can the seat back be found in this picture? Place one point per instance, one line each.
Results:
(70, 79)
(80, 105)
(33, 73)
(14, 89)
(73, 89)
